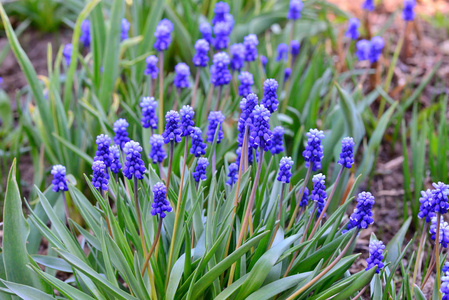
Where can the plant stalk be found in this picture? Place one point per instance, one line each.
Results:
(195, 87)
(295, 212)
(437, 254)
(217, 104)
(418, 262)
(161, 90)
(156, 240)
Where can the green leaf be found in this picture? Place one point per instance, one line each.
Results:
(418, 293)
(277, 287)
(393, 248)
(26, 292)
(363, 280)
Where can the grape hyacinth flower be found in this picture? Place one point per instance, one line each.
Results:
(305, 197)
(246, 81)
(363, 50)
(260, 135)
(59, 181)
(238, 56)
(134, 165)
(198, 146)
(250, 42)
(99, 178)
(353, 29)
(285, 169)
(347, 152)
(277, 143)
(233, 174)
(408, 14)
(368, 5)
(222, 30)
(287, 73)
(160, 205)
(445, 286)
(270, 98)
(125, 28)
(263, 61)
(221, 9)
(362, 216)
(121, 135)
(172, 127)
(182, 73)
(319, 194)
(103, 142)
(294, 10)
(294, 48)
(149, 115)
(446, 267)
(313, 153)
(152, 68)
(426, 209)
(201, 57)
(282, 51)
(219, 73)
(187, 123)
(376, 256)
(444, 231)
(163, 35)
(67, 53)
(215, 118)
(157, 152)
(200, 169)
(247, 106)
(206, 32)
(440, 201)
(116, 165)
(85, 33)
(377, 45)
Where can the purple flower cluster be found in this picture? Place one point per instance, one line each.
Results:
(206, 32)
(282, 51)
(353, 29)
(134, 165)
(121, 135)
(116, 165)
(99, 175)
(319, 194)
(376, 255)
(263, 61)
(201, 57)
(152, 68)
(219, 73)
(222, 30)
(215, 118)
(221, 11)
(125, 28)
(59, 181)
(305, 197)
(250, 42)
(149, 115)
(285, 169)
(287, 73)
(426, 209)
(444, 231)
(163, 35)
(198, 146)
(260, 134)
(172, 127)
(200, 169)
(294, 10)
(270, 98)
(157, 152)
(238, 56)
(85, 33)
(370, 50)
(445, 286)
(408, 14)
(362, 216)
(246, 81)
(295, 46)
(440, 201)
(67, 53)
(187, 122)
(347, 152)
(368, 5)
(247, 106)
(160, 205)
(103, 142)
(277, 143)
(313, 153)
(182, 73)
(233, 174)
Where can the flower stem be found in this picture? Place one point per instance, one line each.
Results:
(195, 87)
(178, 208)
(156, 240)
(249, 209)
(295, 212)
(418, 255)
(213, 162)
(170, 164)
(327, 203)
(217, 104)
(437, 254)
(327, 269)
(161, 90)
(153, 87)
